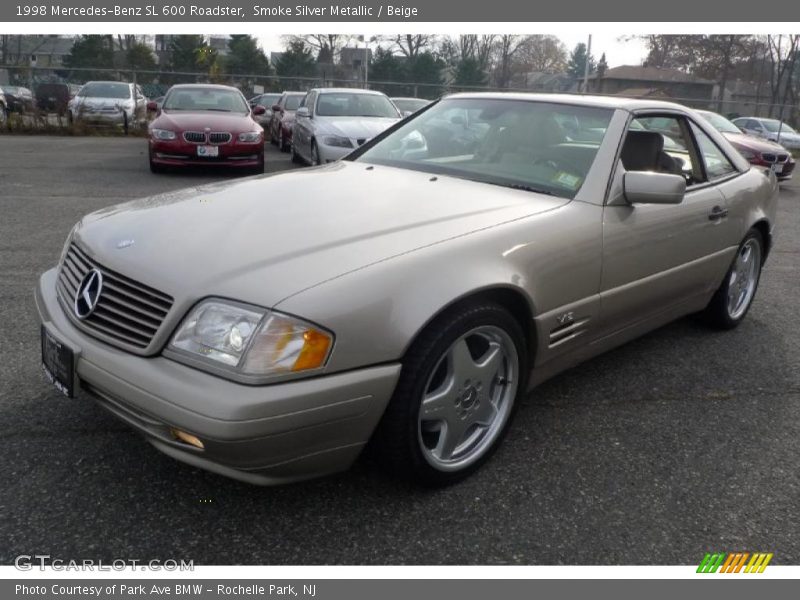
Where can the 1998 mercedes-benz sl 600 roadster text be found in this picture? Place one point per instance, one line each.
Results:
(408, 295)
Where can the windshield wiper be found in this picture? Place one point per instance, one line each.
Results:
(523, 187)
(219, 109)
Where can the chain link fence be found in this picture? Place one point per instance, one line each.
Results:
(155, 83)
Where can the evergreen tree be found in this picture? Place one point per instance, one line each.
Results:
(469, 73)
(245, 57)
(91, 51)
(576, 65)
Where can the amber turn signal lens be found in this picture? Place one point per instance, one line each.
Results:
(315, 349)
(186, 438)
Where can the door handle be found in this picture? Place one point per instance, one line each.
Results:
(717, 213)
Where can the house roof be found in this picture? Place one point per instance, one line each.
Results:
(40, 44)
(640, 73)
(643, 92)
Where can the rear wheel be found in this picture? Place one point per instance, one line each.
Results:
(125, 124)
(735, 295)
(3, 115)
(461, 381)
(282, 142)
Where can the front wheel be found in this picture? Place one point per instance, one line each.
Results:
(732, 300)
(315, 159)
(460, 383)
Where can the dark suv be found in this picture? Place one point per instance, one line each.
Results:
(53, 97)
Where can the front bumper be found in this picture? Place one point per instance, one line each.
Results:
(264, 435)
(177, 153)
(332, 153)
(111, 119)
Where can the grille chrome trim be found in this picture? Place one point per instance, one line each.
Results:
(216, 138)
(194, 137)
(219, 137)
(128, 313)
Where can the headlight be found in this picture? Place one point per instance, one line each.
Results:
(162, 134)
(250, 137)
(336, 140)
(251, 341)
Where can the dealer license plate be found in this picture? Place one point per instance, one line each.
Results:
(208, 151)
(58, 363)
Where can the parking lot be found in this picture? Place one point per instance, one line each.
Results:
(682, 442)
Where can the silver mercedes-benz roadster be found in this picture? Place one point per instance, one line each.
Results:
(409, 295)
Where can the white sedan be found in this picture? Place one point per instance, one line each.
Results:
(332, 122)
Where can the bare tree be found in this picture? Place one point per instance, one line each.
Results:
(327, 45)
(411, 45)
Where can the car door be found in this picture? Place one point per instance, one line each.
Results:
(658, 258)
(303, 127)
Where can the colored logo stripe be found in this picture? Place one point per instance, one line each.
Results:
(734, 562)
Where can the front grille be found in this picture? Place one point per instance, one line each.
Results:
(194, 137)
(219, 137)
(200, 137)
(782, 158)
(127, 311)
(768, 157)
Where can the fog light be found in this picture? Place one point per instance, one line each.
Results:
(186, 438)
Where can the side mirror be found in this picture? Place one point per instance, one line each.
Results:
(302, 112)
(152, 106)
(259, 110)
(276, 108)
(641, 187)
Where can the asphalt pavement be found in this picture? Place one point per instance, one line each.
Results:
(682, 442)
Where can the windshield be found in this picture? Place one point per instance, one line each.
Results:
(268, 100)
(202, 98)
(105, 90)
(410, 104)
(535, 146)
(348, 104)
(719, 122)
(773, 125)
(292, 102)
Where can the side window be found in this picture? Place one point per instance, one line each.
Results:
(661, 144)
(716, 163)
(310, 101)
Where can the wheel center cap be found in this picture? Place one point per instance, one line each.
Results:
(469, 398)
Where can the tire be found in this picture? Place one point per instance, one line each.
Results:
(282, 145)
(70, 119)
(733, 298)
(3, 116)
(125, 124)
(154, 167)
(296, 158)
(258, 169)
(315, 160)
(449, 412)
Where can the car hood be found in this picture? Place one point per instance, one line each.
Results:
(263, 239)
(200, 120)
(753, 143)
(353, 127)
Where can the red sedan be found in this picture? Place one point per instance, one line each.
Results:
(202, 124)
(761, 153)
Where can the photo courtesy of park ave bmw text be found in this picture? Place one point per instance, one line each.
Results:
(393, 296)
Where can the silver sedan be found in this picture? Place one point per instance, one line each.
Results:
(409, 296)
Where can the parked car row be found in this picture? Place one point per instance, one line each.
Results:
(202, 124)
